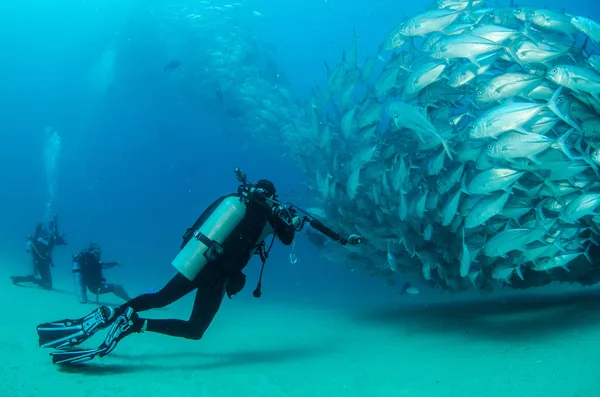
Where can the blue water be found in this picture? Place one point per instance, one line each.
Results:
(139, 163)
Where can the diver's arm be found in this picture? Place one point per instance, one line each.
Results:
(284, 230)
(108, 265)
(60, 240)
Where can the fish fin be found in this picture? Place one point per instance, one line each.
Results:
(519, 272)
(463, 187)
(534, 159)
(473, 60)
(512, 54)
(446, 147)
(586, 253)
(474, 104)
(558, 245)
(526, 32)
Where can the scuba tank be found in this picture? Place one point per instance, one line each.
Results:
(78, 281)
(206, 242)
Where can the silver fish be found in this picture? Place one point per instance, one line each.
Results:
(464, 46)
(588, 27)
(549, 263)
(423, 76)
(493, 180)
(428, 22)
(485, 209)
(507, 85)
(576, 78)
(552, 20)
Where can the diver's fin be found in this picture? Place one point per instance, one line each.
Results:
(64, 334)
(120, 328)
(75, 356)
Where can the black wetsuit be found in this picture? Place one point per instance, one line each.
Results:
(217, 278)
(41, 245)
(90, 267)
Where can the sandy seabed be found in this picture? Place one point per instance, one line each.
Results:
(519, 346)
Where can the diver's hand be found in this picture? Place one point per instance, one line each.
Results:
(296, 222)
(279, 211)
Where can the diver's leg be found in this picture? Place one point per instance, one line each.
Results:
(117, 289)
(45, 280)
(22, 279)
(206, 304)
(30, 278)
(178, 287)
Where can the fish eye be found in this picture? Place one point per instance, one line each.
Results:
(555, 70)
(489, 146)
(478, 92)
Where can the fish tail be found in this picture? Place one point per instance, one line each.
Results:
(413, 48)
(468, 9)
(519, 272)
(562, 144)
(553, 105)
(527, 32)
(558, 245)
(511, 53)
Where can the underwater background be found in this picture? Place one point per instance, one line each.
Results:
(138, 154)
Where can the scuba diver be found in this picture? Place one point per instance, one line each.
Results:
(212, 256)
(40, 246)
(87, 273)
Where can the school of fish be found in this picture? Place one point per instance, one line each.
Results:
(465, 151)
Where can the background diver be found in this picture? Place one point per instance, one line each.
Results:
(40, 246)
(213, 254)
(87, 274)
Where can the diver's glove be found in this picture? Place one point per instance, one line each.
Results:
(296, 222)
(288, 215)
(279, 211)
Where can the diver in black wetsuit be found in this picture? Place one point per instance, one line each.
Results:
(224, 275)
(40, 246)
(213, 254)
(87, 273)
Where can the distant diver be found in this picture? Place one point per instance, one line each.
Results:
(87, 274)
(172, 65)
(213, 254)
(40, 246)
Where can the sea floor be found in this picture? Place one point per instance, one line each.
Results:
(518, 346)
